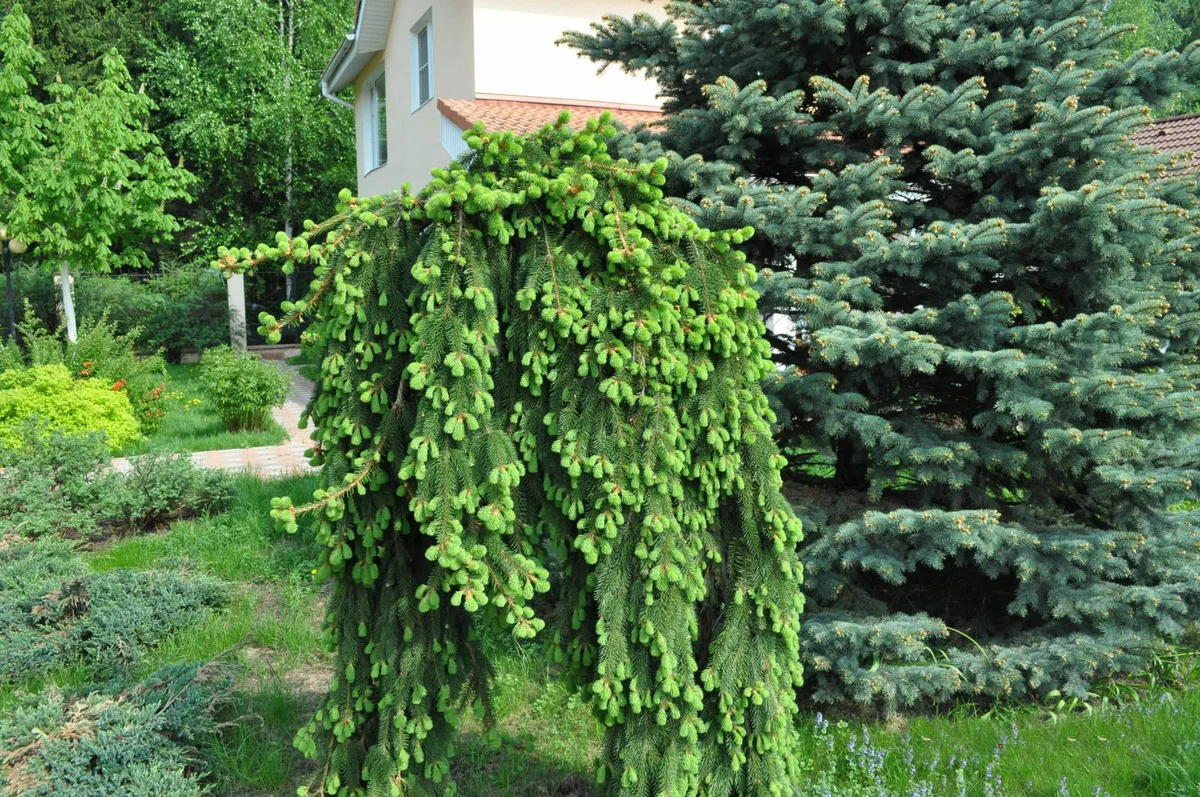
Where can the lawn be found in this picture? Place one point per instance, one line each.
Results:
(191, 422)
(1144, 740)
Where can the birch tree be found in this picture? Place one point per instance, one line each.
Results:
(238, 82)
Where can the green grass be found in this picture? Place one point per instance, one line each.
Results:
(255, 754)
(242, 544)
(545, 739)
(1151, 748)
(191, 422)
(275, 604)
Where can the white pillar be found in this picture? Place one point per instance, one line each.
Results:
(68, 303)
(235, 287)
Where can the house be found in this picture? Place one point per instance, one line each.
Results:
(425, 71)
(1178, 136)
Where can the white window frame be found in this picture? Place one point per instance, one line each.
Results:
(424, 25)
(371, 141)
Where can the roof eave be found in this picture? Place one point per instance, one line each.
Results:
(331, 82)
(359, 46)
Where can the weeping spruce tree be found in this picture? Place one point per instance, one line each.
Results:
(986, 323)
(537, 365)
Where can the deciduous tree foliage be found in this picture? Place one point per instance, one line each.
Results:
(537, 364)
(20, 112)
(75, 35)
(987, 385)
(1163, 25)
(84, 179)
(238, 84)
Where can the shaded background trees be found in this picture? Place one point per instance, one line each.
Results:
(1163, 25)
(237, 81)
(74, 35)
(236, 85)
(86, 182)
(236, 89)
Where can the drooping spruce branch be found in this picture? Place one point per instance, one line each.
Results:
(538, 360)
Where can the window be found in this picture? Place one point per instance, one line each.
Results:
(377, 123)
(422, 49)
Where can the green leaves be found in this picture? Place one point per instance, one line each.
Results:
(575, 367)
(243, 387)
(81, 176)
(238, 76)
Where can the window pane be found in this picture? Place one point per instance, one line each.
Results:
(424, 89)
(380, 122)
(423, 47)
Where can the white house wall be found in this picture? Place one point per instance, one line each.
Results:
(498, 49)
(516, 57)
(414, 137)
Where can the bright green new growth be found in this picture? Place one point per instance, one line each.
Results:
(52, 398)
(535, 364)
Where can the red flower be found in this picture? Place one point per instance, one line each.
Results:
(119, 385)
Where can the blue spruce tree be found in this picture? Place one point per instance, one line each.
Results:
(985, 323)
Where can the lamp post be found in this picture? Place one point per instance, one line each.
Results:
(12, 246)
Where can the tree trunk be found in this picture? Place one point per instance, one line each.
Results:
(289, 169)
(68, 302)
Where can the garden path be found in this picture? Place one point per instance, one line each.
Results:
(281, 460)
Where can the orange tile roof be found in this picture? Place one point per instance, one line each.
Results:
(521, 116)
(1174, 135)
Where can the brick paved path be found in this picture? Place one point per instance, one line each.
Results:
(280, 460)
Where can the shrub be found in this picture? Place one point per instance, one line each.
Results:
(11, 356)
(148, 406)
(184, 308)
(128, 304)
(54, 484)
(102, 351)
(243, 387)
(55, 613)
(38, 344)
(60, 484)
(162, 488)
(59, 402)
(192, 312)
(132, 741)
(37, 295)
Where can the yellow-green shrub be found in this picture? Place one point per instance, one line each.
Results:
(49, 394)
